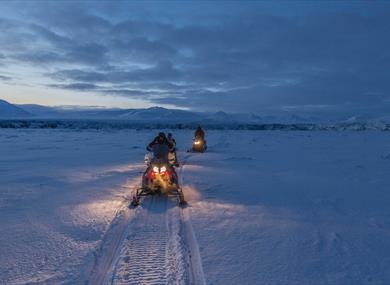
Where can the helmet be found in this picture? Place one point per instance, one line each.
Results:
(161, 137)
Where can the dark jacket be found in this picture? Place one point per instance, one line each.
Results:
(172, 141)
(157, 141)
(199, 133)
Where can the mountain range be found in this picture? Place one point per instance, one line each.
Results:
(8, 110)
(157, 114)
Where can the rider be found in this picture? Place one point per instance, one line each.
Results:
(173, 142)
(160, 147)
(171, 139)
(199, 133)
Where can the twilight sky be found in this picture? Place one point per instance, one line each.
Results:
(303, 56)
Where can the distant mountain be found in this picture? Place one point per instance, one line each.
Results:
(71, 112)
(163, 115)
(250, 118)
(153, 114)
(8, 110)
(39, 110)
(158, 113)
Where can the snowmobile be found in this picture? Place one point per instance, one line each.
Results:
(199, 145)
(159, 178)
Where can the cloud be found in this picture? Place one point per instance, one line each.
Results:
(75, 86)
(253, 56)
(5, 78)
(163, 71)
(90, 53)
(39, 57)
(2, 59)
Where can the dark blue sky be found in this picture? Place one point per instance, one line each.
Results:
(303, 56)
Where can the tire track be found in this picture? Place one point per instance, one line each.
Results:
(153, 244)
(195, 274)
(106, 255)
(152, 251)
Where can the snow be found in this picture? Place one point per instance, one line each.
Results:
(312, 208)
(265, 207)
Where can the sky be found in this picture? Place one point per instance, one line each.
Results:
(235, 56)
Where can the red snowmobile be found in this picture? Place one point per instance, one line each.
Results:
(159, 178)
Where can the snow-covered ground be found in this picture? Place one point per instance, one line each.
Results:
(264, 208)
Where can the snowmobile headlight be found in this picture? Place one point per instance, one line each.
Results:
(197, 142)
(163, 169)
(155, 169)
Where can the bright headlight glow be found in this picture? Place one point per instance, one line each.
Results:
(155, 169)
(163, 169)
(197, 142)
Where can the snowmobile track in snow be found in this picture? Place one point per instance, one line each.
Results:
(151, 244)
(195, 273)
(108, 251)
(152, 252)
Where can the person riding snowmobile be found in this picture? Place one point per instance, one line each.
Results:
(173, 152)
(199, 142)
(160, 176)
(160, 146)
(171, 139)
(199, 133)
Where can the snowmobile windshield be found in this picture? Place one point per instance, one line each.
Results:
(160, 151)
